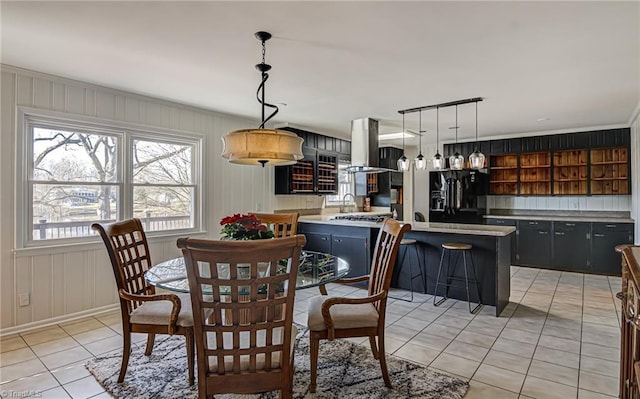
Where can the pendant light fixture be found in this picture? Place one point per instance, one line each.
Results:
(476, 159)
(261, 146)
(420, 162)
(403, 162)
(438, 160)
(456, 161)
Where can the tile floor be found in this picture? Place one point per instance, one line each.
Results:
(558, 338)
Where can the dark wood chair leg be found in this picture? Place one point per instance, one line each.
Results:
(314, 347)
(126, 351)
(374, 347)
(383, 361)
(190, 354)
(150, 340)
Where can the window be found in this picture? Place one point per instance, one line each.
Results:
(78, 174)
(345, 186)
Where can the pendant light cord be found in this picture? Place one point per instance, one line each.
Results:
(403, 134)
(476, 126)
(263, 68)
(420, 130)
(437, 130)
(456, 125)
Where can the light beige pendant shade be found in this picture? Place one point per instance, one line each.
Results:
(262, 146)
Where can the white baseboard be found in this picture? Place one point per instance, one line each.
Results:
(59, 319)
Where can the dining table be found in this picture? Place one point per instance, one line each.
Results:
(315, 270)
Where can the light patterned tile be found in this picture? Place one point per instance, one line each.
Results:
(499, 377)
(70, 372)
(44, 335)
(35, 383)
(20, 370)
(600, 366)
(104, 345)
(554, 372)
(12, 343)
(55, 393)
(507, 361)
(431, 341)
(514, 347)
(555, 356)
(79, 326)
(16, 356)
(598, 383)
(417, 353)
(84, 388)
(456, 365)
(411, 323)
(562, 344)
(467, 351)
(59, 359)
(482, 340)
(94, 335)
(601, 352)
(478, 390)
(584, 394)
(540, 388)
(520, 336)
(57, 345)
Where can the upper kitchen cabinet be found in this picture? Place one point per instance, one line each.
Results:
(317, 172)
(536, 144)
(570, 141)
(610, 170)
(570, 172)
(610, 138)
(505, 146)
(535, 172)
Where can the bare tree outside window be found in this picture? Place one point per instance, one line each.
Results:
(77, 178)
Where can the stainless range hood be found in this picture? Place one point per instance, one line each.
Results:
(364, 147)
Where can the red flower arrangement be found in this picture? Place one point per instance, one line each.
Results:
(244, 227)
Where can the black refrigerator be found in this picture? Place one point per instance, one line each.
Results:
(458, 196)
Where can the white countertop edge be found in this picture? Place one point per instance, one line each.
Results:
(559, 218)
(449, 228)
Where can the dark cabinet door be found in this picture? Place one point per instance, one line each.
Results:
(514, 240)
(354, 250)
(319, 242)
(604, 238)
(536, 143)
(611, 138)
(571, 246)
(534, 243)
(570, 141)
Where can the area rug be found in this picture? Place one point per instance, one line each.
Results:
(345, 370)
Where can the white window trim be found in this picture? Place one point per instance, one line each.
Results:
(126, 132)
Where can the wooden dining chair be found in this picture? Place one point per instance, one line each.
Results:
(282, 224)
(143, 311)
(243, 354)
(338, 317)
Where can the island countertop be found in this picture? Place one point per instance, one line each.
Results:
(452, 228)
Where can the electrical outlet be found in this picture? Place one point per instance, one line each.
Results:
(23, 299)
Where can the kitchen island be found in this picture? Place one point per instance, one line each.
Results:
(354, 241)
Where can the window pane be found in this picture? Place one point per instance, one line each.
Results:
(65, 211)
(161, 163)
(64, 155)
(344, 184)
(164, 208)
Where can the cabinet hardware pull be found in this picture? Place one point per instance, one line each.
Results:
(598, 235)
(543, 232)
(533, 223)
(338, 240)
(570, 224)
(610, 226)
(324, 238)
(559, 233)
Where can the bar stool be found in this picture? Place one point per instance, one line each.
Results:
(404, 245)
(462, 249)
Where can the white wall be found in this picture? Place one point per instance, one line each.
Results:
(635, 171)
(66, 281)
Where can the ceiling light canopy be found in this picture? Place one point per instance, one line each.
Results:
(262, 146)
(456, 161)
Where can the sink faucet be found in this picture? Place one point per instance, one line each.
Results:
(344, 201)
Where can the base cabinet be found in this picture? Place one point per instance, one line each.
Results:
(604, 238)
(570, 239)
(534, 243)
(348, 243)
(585, 247)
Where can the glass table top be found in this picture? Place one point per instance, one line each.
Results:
(315, 269)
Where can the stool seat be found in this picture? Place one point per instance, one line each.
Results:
(456, 246)
(408, 241)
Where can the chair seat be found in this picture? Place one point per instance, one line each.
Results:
(244, 343)
(456, 246)
(343, 315)
(157, 312)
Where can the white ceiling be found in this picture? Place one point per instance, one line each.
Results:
(573, 64)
